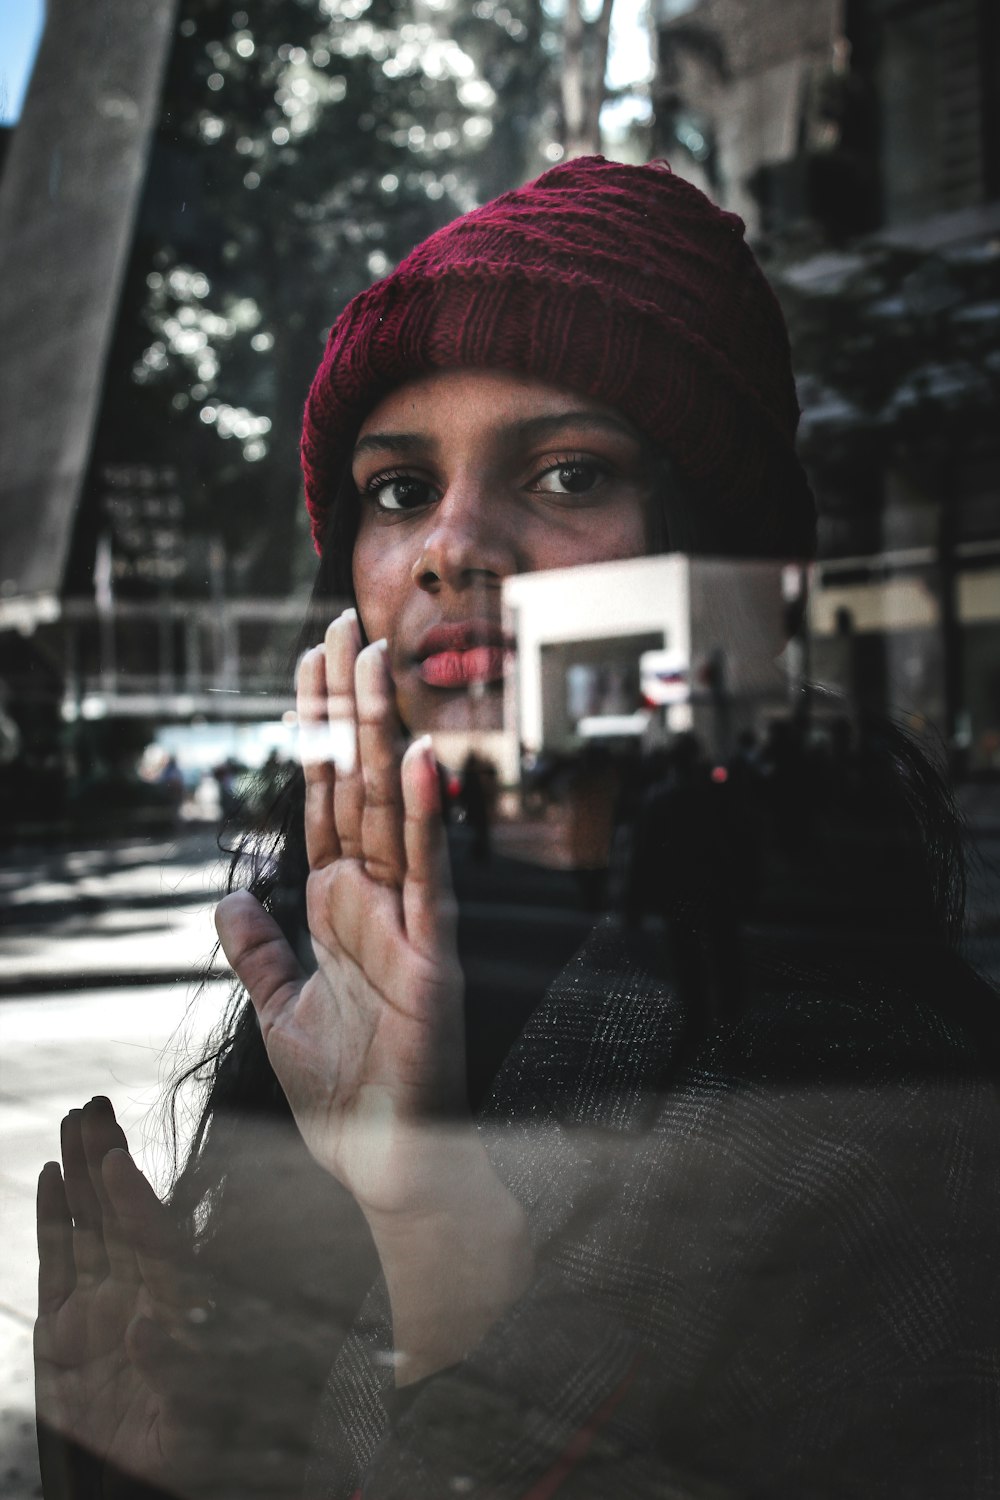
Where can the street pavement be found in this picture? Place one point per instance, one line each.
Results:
(132, 908)
(97, 955)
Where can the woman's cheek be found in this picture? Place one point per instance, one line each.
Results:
(619, 532)
(374, 589)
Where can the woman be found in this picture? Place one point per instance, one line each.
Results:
(668, 1255)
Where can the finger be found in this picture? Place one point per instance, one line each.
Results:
(342, 644)
(88, 1236)
(315, 750)
(260, 956)
(162, 1254)
(380, 750)
(429, 912)
(56, 1267)
(365, 919)
(101, 1133)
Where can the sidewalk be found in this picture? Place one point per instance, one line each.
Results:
(57, 1051)
(137, 909)
(97, 954)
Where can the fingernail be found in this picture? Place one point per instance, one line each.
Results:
(347, 622)
(373, 661)
(311, 651)
(424, 746)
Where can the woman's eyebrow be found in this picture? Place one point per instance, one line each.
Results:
(528, 427)
(380, 442)
(533, 427)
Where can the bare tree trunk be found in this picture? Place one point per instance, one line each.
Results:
(583, 73)
(573, 84)
(602, 35)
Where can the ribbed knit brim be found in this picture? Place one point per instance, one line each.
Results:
(623, 283)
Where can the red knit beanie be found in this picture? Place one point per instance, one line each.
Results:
(623, 283)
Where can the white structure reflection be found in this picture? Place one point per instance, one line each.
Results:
(593, 644)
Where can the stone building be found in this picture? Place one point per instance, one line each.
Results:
(763, 97)
(860, 141)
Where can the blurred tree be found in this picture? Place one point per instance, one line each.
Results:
(895, 349)
(583, 74)
(691, 67)
(899, 382)
(894, 344)
(303, 147)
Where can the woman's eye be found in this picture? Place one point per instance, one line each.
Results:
(577, 478)
(398, 492)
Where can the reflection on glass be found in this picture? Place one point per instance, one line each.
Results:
(594, 1092)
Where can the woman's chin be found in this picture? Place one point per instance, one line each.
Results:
(477, 709)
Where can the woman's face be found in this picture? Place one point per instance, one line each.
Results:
(466, 477)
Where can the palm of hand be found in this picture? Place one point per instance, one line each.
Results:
(96, 1347)
(397, 1024)
(89, 1386)
(370, 1046)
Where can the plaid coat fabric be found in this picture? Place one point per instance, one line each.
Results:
(767, 1266)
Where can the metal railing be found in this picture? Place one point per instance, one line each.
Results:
(181, 658)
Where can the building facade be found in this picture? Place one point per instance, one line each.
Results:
(859, 140)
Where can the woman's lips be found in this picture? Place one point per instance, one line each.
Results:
(459, 653)
(455, 669)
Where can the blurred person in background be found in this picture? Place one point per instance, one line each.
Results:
(660, 1252)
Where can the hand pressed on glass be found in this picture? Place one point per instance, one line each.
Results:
(370, 1048)
(372, 1042)
(120, 1313)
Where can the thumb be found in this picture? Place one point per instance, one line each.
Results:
(260, 956)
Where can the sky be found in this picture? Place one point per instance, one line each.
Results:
(21, 27)
(629, 62)
(20, 30)
(629, 59)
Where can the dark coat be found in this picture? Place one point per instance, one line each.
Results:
(769, 1260)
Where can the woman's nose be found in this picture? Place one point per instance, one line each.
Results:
(467, 542)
